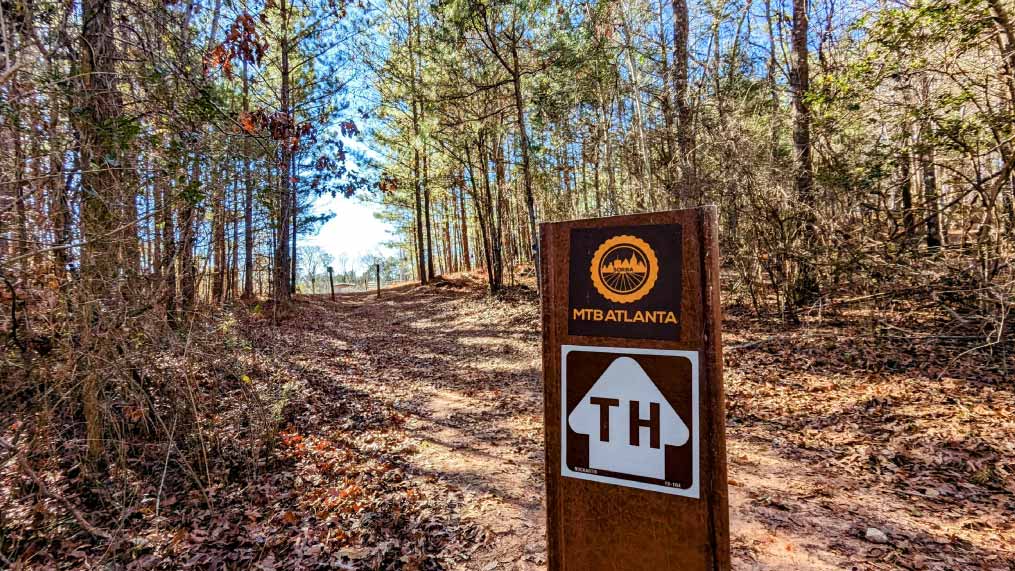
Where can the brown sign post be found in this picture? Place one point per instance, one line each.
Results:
(331, 279)
(632, 372)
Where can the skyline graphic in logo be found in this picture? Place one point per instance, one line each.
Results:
(624, 269)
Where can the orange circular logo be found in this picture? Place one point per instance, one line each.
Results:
(624, 269)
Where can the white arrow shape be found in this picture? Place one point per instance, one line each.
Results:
(620, 433)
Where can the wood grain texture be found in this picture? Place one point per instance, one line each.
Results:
(594, 526)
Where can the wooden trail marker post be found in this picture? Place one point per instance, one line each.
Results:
(331, 278)
(377, 268)
(632, 374)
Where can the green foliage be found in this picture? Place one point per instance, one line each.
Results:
(206, 105)
(191, 192)
(119, 133)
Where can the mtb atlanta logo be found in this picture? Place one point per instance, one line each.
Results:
(625, 282)
(624, 269)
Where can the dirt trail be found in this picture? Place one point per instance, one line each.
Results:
(808, 475)
(464, 372)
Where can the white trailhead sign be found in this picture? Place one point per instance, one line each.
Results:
(628, 421)
(634, 434)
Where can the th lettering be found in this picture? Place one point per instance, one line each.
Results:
(636, 423)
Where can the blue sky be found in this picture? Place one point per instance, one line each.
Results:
(355, 231)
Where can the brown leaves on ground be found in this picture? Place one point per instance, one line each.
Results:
(832, 433)
(405, 433)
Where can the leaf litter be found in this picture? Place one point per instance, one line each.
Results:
(407, 435)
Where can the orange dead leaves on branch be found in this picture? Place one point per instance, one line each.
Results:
(242, 42)
(248, 123)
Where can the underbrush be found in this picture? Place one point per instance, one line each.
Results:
(945, 313)
(211, 456)
(184, 412)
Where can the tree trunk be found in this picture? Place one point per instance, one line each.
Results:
(130, 251)
(483, 224)
(295, 227)
(806, 287)
(22, 248)
(219, 243)
(685, 137)
(282, 268)
(168, 261)
(449, 262)
(604, 126)
(99, 107)
(188, 222)
(931, 199)
(496, 221)
(466, 258)
(523, 142)
(644, 200)
(908, 216)
(668, 143)
(426, 217)
(421, 259)
(773, 91)
(60, 214)
(417, 194)
(234, 263)
(248, 200)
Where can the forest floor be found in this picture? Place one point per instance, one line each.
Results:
(411, 438)
(828, 435)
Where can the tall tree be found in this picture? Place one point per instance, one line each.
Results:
(681, 65)
(248, 197)
(284, 198)
(100, 126)
(805, 288)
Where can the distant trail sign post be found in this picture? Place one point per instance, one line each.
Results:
(331, 279)
(632, 373)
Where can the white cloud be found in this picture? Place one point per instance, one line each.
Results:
(354, 231)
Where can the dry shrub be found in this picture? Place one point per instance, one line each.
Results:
(182, 410)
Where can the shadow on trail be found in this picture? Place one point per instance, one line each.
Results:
(453, 374)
